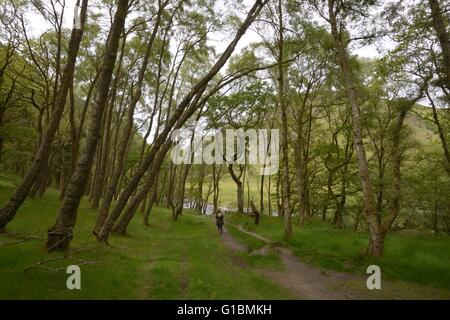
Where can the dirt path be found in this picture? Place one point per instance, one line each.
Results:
(232, 243)
(302, 280)
(309, 282)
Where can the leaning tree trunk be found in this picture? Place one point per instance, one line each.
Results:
(185, 109)
(135, 97)
(179, 207)
(9, 210)
(99, 189)
(103, 158)
(442, 138)
(73, 145)
(150, 187)
(376, 240)
(178, 210)
(444, 39)
(60, 235)
(131, 209)
(153, 199)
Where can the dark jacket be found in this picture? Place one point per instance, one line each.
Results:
(219, 220)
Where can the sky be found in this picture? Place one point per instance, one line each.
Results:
(251, 37)
(219, 41)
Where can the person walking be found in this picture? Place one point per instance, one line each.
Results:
(219, 221)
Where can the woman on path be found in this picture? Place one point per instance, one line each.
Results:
(219, 220)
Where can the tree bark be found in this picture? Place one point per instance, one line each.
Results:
(153, 199)
(185, 109)
(239, 186)
(9, 210)
(182, 189)
(153, 174)
(441, 133)
(122, 225)
(60, 235)
(135, 97)
(302, 155)
(284, 128)
(199, 194)
(255, 212)
(397, 158)
(376, 241)
(444, 39)
(100, 188)
(394, 202)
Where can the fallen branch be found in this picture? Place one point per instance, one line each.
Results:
(70, 255)
(21, 238)
(78, 263)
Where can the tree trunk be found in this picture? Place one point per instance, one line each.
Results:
(338, 214)
(135, 97)
(103, 158)
(239, 186)
(185, 109)
(255, 212)
(179, 208)
(442, 137)
(216, 190)
(397, 157)
(199, 200)
(9, 210)
(284, 128)
(60, 235)
(376, 241)
(153, 199)
(444, 40)
(1, 147)
(98, 192)
(122, 225)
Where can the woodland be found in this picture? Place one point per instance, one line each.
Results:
(91, 92)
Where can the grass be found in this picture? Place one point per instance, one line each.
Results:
(228, 189)
(270, 260)
(187, 260)
(168, 260)
(251, 242)
(419, 259)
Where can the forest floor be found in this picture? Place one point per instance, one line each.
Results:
(186, 259)
(421, 259)
(167, 260)
(304, 281)
(311, 282)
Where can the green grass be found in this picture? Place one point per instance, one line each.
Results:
(420, 259)
(271, 260)
(187, 260)
(168, 260)
(228, 189)
(251, 242)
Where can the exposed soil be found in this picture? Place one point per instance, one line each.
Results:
(309, 282)
(304, 281)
